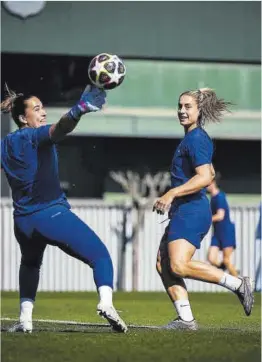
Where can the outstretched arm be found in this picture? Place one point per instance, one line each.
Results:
(91, 100)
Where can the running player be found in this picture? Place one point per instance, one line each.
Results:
(189, 210)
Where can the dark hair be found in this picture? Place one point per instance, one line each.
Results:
(14, 103)
(210, 106)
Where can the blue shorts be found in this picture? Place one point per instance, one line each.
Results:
(190, 221)
(226, 240)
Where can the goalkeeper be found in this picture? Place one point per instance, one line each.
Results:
(42, 214)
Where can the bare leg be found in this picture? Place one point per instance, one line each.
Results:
(213, 253)
(175, 288)
(174, 285)
(227, 254)
(180, 255)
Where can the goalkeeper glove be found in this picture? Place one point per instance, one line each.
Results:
(91, 100)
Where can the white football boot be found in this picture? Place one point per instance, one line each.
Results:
(25, 326)
(110, 314)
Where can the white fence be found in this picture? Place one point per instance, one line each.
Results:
(61, 272)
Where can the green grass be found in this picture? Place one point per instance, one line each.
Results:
(226, 334)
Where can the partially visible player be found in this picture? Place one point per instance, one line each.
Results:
(257, 258)
(223, 238)
(42, 215)
(189, 210)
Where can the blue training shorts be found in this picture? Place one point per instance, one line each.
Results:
(190, 221)
(227, 240)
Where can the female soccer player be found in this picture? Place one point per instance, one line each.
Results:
(223, 237)
(189, 210)
(41, 212)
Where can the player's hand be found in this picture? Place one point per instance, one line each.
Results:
(163, 204)
(92, 100)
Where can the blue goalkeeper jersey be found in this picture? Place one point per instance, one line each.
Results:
(29, 159)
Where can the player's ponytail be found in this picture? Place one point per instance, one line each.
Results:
(14, 103)
(7, 104)
(212, 108)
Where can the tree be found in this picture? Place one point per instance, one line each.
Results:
(143, 191)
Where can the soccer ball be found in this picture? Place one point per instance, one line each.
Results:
(106, 71)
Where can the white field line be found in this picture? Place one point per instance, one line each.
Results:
(135, 326)
(87, 324)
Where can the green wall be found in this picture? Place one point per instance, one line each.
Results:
(214, 30)
(158, 84)
(145, 104)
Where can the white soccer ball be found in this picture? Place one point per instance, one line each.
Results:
(106, 71)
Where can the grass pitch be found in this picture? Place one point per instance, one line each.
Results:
(225, 334)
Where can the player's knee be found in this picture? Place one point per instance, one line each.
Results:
(178, 268)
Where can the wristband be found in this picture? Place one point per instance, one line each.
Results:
(75, 113)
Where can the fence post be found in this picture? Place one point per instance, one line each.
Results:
(122, 253)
